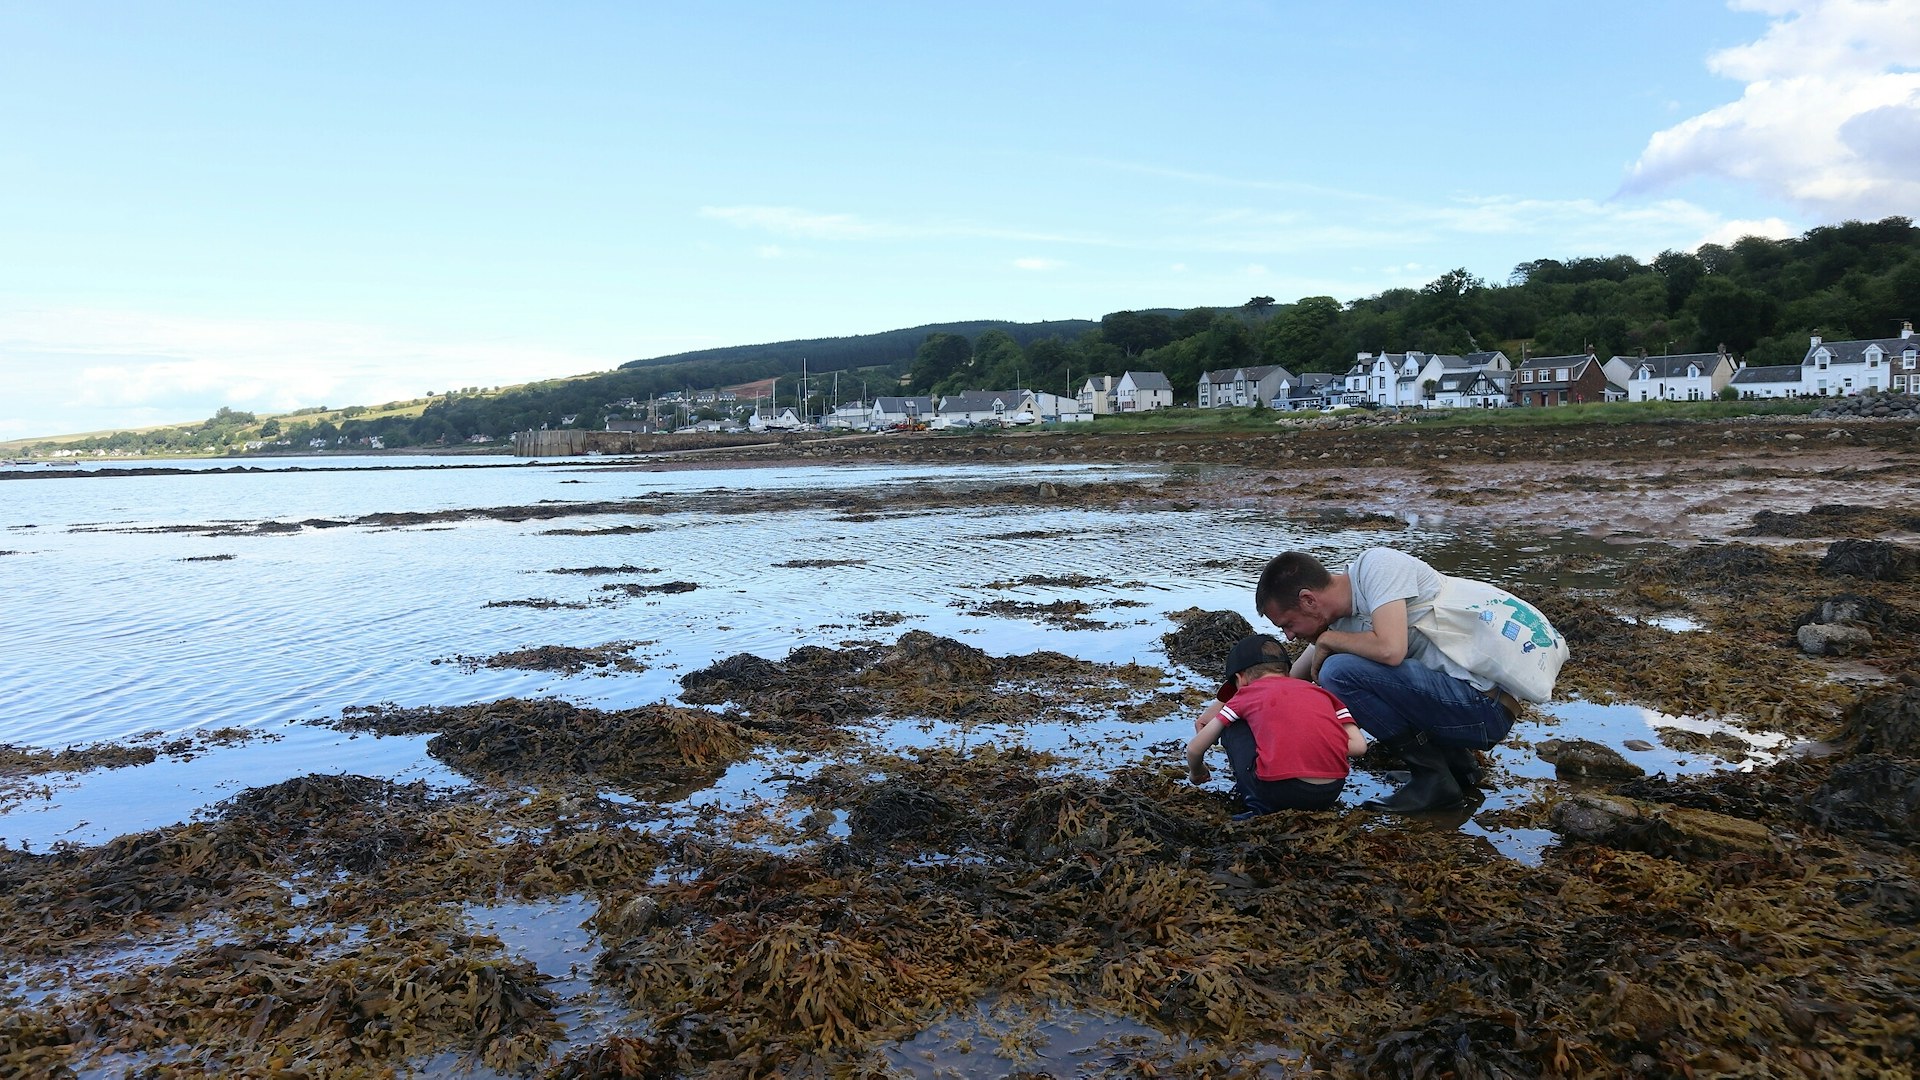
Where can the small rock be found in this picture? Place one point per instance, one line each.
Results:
(1637, 744)
(1790, 437)
(1584, 757)
(1833, 639)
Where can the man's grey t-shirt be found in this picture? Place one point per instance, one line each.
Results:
(1382, 575)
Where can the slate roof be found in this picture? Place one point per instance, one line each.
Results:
(1854, 352)
(1150, 380)
(922, 405)
(1675, 366)
(1755, 376)
(981, 400)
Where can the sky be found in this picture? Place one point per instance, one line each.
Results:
(274, 206)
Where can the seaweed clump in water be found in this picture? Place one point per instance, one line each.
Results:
(816, 691)
(553, 741)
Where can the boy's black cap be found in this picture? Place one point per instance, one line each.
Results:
(1251, 651)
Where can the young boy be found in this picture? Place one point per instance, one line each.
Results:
(1287, 740)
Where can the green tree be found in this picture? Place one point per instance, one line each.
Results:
(939, 358)
(1134, 332)
(997, 360)
(1301, 337)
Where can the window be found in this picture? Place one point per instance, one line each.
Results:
(1906, 361)
(1526, 376)
(1559, 374)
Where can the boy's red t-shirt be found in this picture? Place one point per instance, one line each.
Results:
(1299, 728)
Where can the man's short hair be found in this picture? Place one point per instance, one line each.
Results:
(1285, 575)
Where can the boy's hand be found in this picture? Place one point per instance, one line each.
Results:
(1198, 773)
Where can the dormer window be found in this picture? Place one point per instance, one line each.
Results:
(1559, 374)
(1526, 376)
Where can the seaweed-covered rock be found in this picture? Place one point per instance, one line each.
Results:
(900, 810)
(1584, 757)
(722, 679)
(1709, 564)
(1887, 724)
(1662, 830)
(932, 660)
(1871, 793)
(1205, 638)
(1856, 610)
(1875, 560)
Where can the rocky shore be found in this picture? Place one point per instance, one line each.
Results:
(1751, 922)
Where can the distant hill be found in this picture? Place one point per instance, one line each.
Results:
(866, 350)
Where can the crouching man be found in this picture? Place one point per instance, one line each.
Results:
(1368, 647)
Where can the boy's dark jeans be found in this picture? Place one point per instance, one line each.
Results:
(1266, 796)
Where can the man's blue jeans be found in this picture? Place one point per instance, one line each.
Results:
(1389, 702)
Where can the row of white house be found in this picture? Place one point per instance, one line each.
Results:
(1100, 395)
(1415, 379)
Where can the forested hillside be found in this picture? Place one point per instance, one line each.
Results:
(1760, 298)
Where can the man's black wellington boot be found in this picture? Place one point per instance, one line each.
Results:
(1464, 765)
(1432, 787)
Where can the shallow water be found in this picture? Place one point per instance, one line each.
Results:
(115, 633)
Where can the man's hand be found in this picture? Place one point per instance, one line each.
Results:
(1198, 773)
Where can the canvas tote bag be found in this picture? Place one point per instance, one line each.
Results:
(1496, 635)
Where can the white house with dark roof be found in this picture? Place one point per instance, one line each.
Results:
(1256, 386)
(888, 411)
(1474, 388)
(1142, 391)
(1782, 381)
(1839, 368)
(1680, 377)
(1415, 379)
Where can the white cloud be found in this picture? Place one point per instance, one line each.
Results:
(1830, 117)
(770, 251)
(1256, 270)
(1038, 264)
(1771, 228)
(1178, 268)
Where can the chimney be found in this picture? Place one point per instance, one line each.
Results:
(1816, 342)
(1906, 329)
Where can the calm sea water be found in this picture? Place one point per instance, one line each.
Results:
(120, 623)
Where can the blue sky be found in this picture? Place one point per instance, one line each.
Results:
(268, 206)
